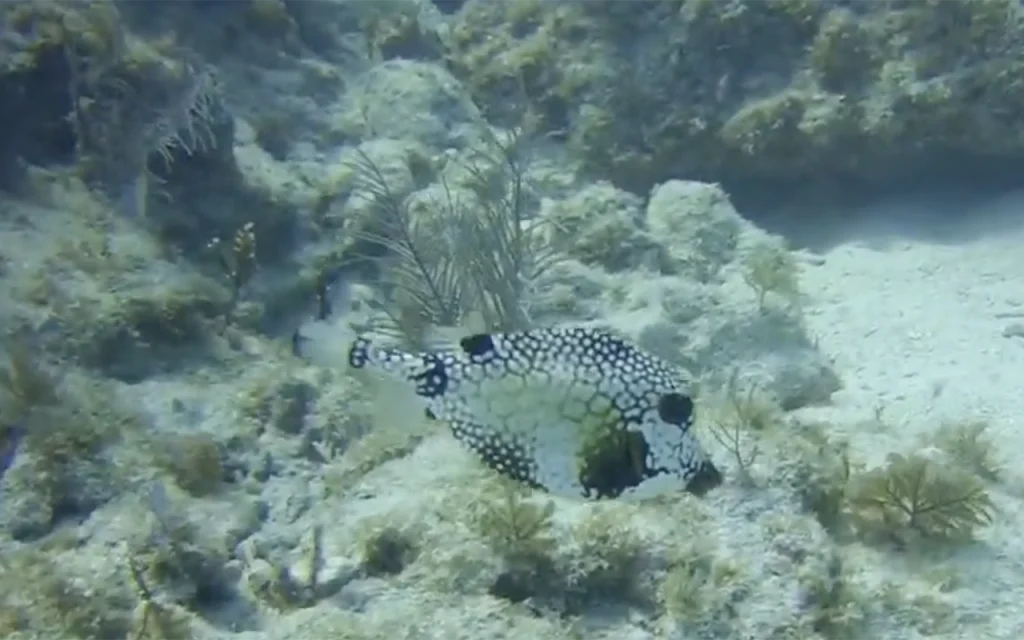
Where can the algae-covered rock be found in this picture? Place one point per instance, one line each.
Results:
(756, 93)
(697, 224)
(409, 100)
(602, 225)
(691, 281)
(81, 88)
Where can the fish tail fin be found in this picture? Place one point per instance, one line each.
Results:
(385, 372)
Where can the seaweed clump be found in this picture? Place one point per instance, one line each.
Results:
(60, 436)
(24, 384)
(176, 568)
(195, 461)
(519, 531)
(42, 599)
(912, 497)
(470, 250)
(770, 268)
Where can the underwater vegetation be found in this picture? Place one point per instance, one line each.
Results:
(912, 495)
(596, 560)
(133, 110)
(772, 270)
(387, 552)
(969, 447)
(152, 618)
(237, 259)
(25, 384)
(194, 461)
(110, 298)
(736, 417)
(910, 501)
(473, 249)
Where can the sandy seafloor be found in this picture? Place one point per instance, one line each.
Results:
(919, 302)
(917, 309)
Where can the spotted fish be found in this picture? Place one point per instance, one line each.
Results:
(574, 411)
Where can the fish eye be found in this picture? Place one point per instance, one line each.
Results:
(675, 408)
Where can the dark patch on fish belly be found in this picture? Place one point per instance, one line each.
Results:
(614, 463)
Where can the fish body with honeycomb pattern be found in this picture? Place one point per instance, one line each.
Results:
(573, 411)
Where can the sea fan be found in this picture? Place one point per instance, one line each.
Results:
(184, 122)
(475, 252)
(913, 495)
(419, 269)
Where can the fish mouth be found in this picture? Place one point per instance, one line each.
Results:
(707, 478)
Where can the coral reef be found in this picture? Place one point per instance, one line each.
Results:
(755, 94)
(182, 184)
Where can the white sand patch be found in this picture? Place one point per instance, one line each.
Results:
(916, 326)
